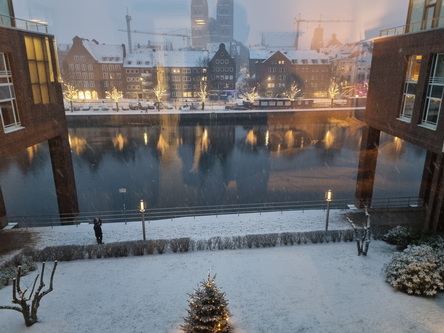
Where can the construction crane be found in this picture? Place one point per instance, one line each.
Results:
(188, 37)
(298, 24)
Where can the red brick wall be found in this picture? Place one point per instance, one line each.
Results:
(387, 77)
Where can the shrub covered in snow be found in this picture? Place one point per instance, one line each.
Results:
(417, 270)
(403, 236)
(9, 269)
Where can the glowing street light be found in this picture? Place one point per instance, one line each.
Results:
(328, 198)
(142, 207)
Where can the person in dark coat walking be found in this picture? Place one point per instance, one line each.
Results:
(98, 230)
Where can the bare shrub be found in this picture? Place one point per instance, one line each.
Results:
(19, 297)
(160, 245)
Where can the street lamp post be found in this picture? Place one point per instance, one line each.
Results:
(142, 210)
(123, 191)
(328, 198)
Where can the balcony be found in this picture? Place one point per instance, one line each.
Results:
(434, 23)
(13, 22)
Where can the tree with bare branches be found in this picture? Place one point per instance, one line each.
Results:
(21, 298)
(115, 95)
(251, 94)
(70, 93)
(363, 238)
(293, 90)
(333, 90)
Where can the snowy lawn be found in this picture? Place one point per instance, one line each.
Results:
(301, 288)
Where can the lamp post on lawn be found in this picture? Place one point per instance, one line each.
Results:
(123, 191)
(142, 210)
(328, 198)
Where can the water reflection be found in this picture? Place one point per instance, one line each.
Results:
(180, 161)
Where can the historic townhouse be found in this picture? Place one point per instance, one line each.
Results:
(31, 103)
(405, 99)
(275, 71)
(93, 68)
(222, 74)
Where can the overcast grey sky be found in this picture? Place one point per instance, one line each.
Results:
(101, 19)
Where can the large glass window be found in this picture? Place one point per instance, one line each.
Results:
(411, 82)
(5, 13)
(8, 107)
(40, 69)
(435, 92)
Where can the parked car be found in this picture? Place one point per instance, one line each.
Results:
(76, 107)
(67, 107)
(105, 107)
(125, 106)
(95, 107)
(143, 106)
(168, 106)
(134, 106)
(151, 106)
(86, 107)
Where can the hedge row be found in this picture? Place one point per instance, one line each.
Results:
(28, 257)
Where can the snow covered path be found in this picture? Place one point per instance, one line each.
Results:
(202, 227)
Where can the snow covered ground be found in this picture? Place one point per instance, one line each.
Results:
(301, 288)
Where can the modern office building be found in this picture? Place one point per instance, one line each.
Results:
(405, 100)
(31, 103)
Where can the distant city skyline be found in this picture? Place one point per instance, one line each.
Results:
(102, 19)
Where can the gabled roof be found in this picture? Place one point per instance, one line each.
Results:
(105, 53)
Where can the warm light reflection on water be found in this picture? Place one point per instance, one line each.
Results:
(78, 145)
(289, 139)
(251, 138)
(119, 142)
(162, 144)
(328, 139)
(32, 151)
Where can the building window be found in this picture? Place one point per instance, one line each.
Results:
(434, 92)
(411, 82)
(8, 107)
(40, 69)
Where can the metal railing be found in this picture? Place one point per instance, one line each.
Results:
(177, 212)
(434, 23)
(13, 22)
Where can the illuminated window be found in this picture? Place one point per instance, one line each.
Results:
(8, 107)
(435, 92)
(41, 69)
(411, 82)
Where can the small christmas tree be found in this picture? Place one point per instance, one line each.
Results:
(208, 310)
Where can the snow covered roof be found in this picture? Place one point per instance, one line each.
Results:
(290, 54)
(104, 53)
(180, 58)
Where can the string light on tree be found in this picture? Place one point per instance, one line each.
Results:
(208, 311)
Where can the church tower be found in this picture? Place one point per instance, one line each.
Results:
(200, 24)
(225, 20)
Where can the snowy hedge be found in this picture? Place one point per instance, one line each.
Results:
(418, 270)
(29, 257)
(8, 270)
